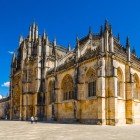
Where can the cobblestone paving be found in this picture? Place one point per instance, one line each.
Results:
(16, 130)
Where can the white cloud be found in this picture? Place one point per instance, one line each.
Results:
(6, 84)
(10, 52)
(0, 96)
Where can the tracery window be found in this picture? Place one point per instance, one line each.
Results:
(136, 87)
(91, 82)
(120, 83)
(92, 87)
(67, 88)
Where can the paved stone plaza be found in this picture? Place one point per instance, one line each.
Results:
(16, 130)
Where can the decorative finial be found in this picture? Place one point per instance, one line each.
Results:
(77, 41)
(24, 44)
(36, 26)
(69, 47)
(118, 37)
(40, 40)
(14, 57)
(44, 34)
(20, 39)
(90, 33)
(54, 43)
(110, 29)
(106, 26)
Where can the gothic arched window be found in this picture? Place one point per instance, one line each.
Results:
(136, 87)
(67, 88)
(91, 82)
(120, 83)
(92, 87)
(51, 91)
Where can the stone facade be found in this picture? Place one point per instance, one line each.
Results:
(5, 108)
(97, 82)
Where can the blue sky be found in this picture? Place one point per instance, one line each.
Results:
(63, 19)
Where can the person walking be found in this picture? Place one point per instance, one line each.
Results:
(32, 120)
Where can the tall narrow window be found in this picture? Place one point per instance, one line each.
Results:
(136, 87)
(92, 88)
(118, 88)
(120, 83)
(91, 82)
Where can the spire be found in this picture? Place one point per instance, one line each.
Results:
(111, 30)
(77, 47)
(54, 47)
(118, 37)
(69, 47)
(44, 34)
(90, 32)
(13, 64)
(36, 31)
(47, 40)
(24, 51)
(24, 45)
(36, 26)
(40, 41)
(20, 39)
(77, 40)
(39, 48)
(54, 43)
(128, 49)
(14, 57)
(106, 26)
(127, 42)
(30, 33)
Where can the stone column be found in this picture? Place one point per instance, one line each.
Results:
(111, 91)
(101, 92)
(56, 105)
(112, 99)
(129, 96)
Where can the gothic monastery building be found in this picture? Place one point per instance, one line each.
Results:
(97, 82)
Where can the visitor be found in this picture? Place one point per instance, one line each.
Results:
(32, 120)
